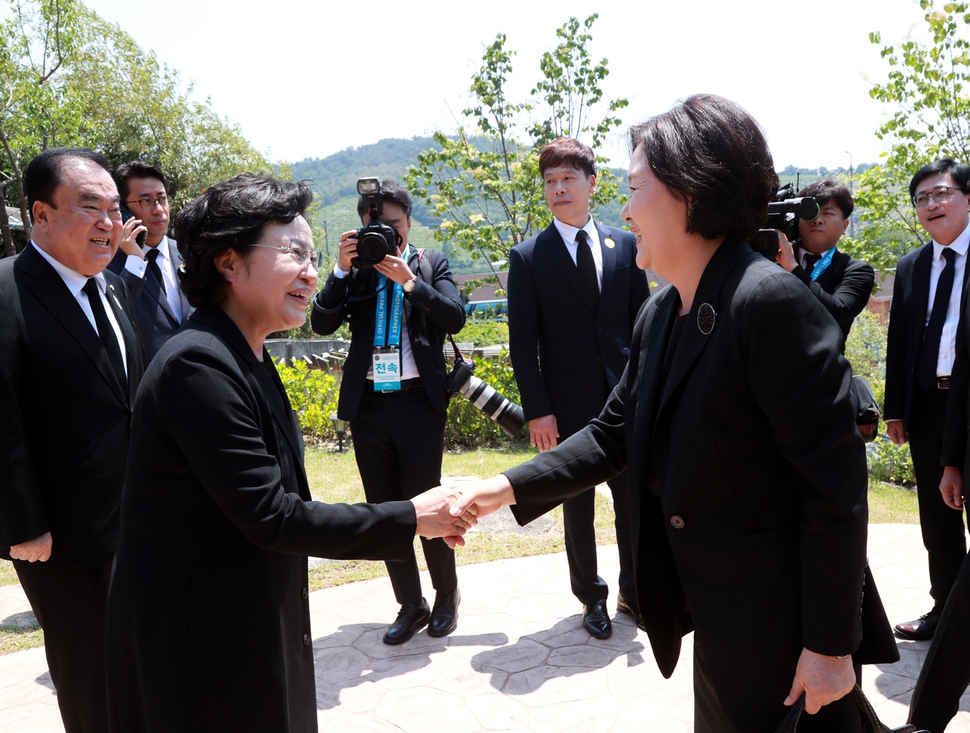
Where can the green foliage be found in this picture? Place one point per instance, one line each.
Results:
(865, 348)
(486, 190)
(467, 426)
(926, 89)
(313, 395)
(67, 77)
(890, 463)
(484, 333)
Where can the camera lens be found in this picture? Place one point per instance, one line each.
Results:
(372, 248)
(504, 412)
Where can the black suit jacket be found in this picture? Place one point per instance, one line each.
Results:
(431, 312)
(156, 320)
(748, 481)
(907, 321)
(208, 617)
(65, 418)
(566, 354)
(843, 288)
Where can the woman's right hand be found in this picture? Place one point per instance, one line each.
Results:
(433, 510)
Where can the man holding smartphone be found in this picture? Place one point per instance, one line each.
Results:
(148, 259)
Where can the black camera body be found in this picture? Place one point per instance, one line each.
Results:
(375, 240)
(783, 216)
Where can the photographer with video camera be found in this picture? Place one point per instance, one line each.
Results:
(400, 304)
(841, 284)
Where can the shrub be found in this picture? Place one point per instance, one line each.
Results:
(484, 333)
(313, 395)
(890, 462)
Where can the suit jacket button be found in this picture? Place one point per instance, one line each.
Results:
(306, 640)
(306, 593)
(677, 521)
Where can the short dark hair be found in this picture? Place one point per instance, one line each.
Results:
(230, 215)
(567, 151)
(959, 172)
(829, 190)
(135, 169)
(43, 174)
(393, 192)
(712, 155)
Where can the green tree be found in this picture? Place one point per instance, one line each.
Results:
(484, 185)
(927, 91)
(67, 77)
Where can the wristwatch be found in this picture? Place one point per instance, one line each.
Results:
(408, 286)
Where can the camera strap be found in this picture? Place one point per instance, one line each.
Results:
(387, 337)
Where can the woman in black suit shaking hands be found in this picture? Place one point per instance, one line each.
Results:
(748, 479)
(208, 620)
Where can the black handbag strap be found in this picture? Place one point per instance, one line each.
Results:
(870, 721)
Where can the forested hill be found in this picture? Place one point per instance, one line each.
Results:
(335, 183)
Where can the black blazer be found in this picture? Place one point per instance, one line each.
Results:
(156, 320)
(748, 481)
(208, 617)
(431, 312)
(843, 288)
(907, 321)
(64, 418)
(566, 354)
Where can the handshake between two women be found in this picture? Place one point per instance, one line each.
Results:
(448, 513)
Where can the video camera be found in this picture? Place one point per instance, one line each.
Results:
(375, 240)
(783, 215)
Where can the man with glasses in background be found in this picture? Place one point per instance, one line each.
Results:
(150, 267)
(923, 322)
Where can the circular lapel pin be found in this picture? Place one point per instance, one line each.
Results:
(610, 244)
(705, 318)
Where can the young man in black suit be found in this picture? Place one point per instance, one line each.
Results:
(70, 364)
(574, 292)
(150, 272)
(398, 425)
(841, 284)
(923, 319)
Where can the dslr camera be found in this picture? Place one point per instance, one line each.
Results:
(375, 240)
(490, 401)
(783, 216)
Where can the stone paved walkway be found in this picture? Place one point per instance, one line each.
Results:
(519, 660)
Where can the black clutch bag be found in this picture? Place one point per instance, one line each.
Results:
(870, 723)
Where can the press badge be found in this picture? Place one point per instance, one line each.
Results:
(387, 369)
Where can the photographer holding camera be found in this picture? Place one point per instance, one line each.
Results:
(841, 284)
(400, 304)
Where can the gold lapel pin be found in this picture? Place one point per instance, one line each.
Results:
(609, 243)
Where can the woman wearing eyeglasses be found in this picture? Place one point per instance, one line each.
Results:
(208, 622)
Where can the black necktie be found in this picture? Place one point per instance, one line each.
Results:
(151, 256)
(930, 351)
(106, 331)
(587, 268)
(811, 260)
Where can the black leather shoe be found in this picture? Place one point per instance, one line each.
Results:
(444, 615)
(597, 620)
(922, 629)
(623, 607)
(411, 618)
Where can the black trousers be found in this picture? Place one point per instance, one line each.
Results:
(841, 716)
(69, 603)
(946, 671)
(941, 526)
(398, 440)
(578, 514)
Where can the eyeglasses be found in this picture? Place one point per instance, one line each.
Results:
(938, 194)
(147, 203)
(297, 253)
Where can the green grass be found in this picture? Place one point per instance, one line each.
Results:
(334, 478)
